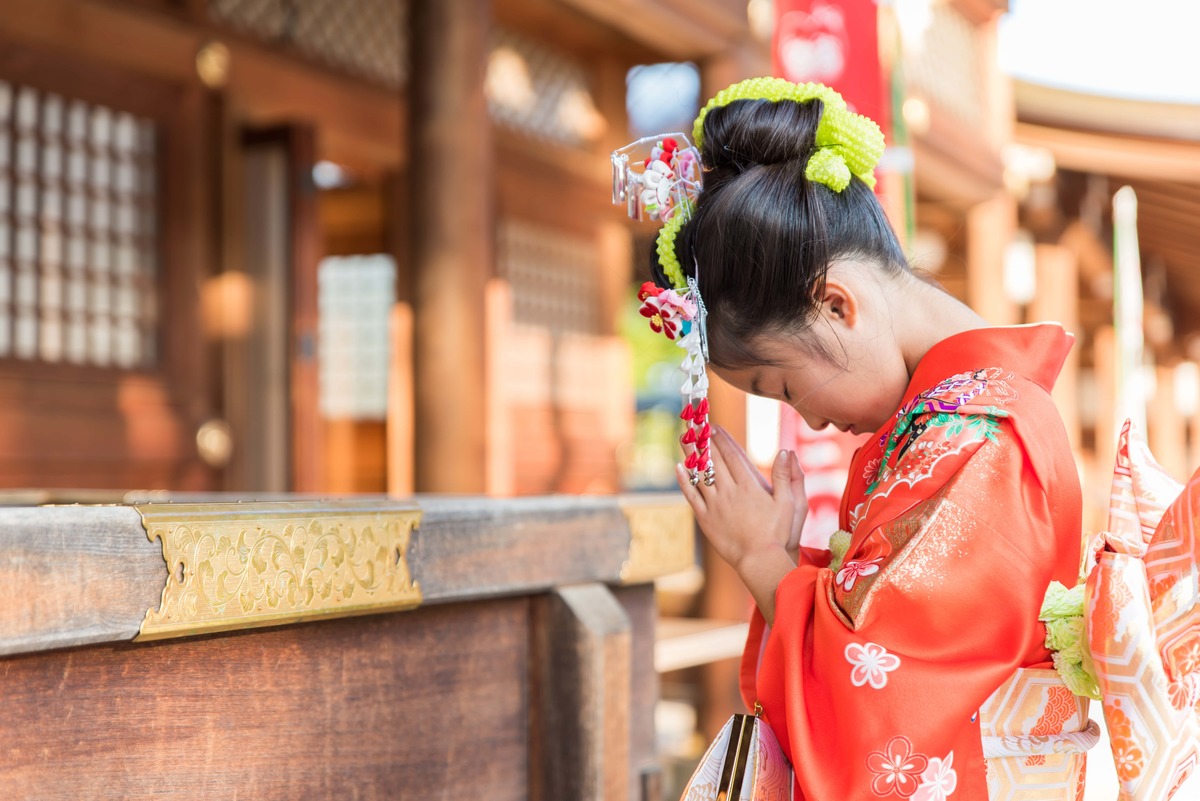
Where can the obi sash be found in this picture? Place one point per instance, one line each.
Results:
(1143, 624)
(1036, 734)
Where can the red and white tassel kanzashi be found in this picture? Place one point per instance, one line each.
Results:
(677, 316)
(696, 441)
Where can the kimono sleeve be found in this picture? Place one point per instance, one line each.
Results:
(872, 677)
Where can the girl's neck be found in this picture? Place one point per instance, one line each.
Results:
(928, 315)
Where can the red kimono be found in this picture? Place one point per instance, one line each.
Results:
(960, 512)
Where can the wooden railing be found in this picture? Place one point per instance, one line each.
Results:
(484, 649)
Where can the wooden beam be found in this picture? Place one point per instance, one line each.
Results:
(1114, 154)
(1185, 196)
(62, 589)
(360, 124)
(677, 30)
(570, 31)
(74, 575)
(954, 165)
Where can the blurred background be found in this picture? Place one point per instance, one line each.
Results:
(366, 246)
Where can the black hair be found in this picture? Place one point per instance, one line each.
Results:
(762, 235)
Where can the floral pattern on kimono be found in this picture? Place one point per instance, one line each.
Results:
(960, 512)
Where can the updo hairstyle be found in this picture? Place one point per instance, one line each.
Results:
(763, 235)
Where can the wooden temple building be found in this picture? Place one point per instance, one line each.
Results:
(180, 174)
(291, 251)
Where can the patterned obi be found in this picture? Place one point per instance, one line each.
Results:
(1140, 618)
(1036, 734)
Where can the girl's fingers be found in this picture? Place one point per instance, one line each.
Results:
(692, 494)
(800, 498)
(781, 477)
(797, 479)
(727, 469)
(733, 452)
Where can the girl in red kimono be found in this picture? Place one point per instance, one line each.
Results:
(879, 665)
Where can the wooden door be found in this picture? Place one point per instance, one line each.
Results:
(105, 236)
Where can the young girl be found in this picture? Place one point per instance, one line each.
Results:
(872, 665)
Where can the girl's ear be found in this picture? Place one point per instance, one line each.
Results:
(839, 304)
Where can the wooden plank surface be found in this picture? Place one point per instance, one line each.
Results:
(71, 577)
(428, 704)
(476, 547)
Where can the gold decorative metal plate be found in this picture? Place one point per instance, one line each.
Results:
(234, 565)
(661, 538)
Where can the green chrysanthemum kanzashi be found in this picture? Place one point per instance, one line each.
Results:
(846, 143)
(666, 249)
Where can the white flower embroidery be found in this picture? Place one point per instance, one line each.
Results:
(938, 781)
(853, 571)
(871, 664)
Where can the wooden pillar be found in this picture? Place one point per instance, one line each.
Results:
(1168, 430)
(452, 215)
(990, 227)
(400, 429)
(580, 728)
(645, 772)
(1096, 497)
(613, 233)
(500, 475)
(1057, 300)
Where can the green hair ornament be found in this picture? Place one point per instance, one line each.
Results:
(847, 144)
(672, 269)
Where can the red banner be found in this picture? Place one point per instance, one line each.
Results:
(834, 42)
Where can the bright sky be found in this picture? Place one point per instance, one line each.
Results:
(1145, 49)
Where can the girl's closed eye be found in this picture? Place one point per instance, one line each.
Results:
(787, 394)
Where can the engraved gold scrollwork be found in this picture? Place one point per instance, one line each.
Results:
(233, 566)
(661, 539)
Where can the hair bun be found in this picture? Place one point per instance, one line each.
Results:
(747, 133)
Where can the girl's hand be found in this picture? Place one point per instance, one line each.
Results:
(734, 452)
(751, 525)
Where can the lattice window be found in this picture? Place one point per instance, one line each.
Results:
(553, 278)
(365, 38)
(78, 232)
(947, 68)
(355, 298)
(537, 91)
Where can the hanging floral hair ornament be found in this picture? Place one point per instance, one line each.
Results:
(665, 187)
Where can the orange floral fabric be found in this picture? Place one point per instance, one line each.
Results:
(960, 512)
(1143, 624)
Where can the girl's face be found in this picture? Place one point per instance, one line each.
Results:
(859, 397)
(846, 370)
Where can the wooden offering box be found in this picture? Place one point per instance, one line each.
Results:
(333, 649)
